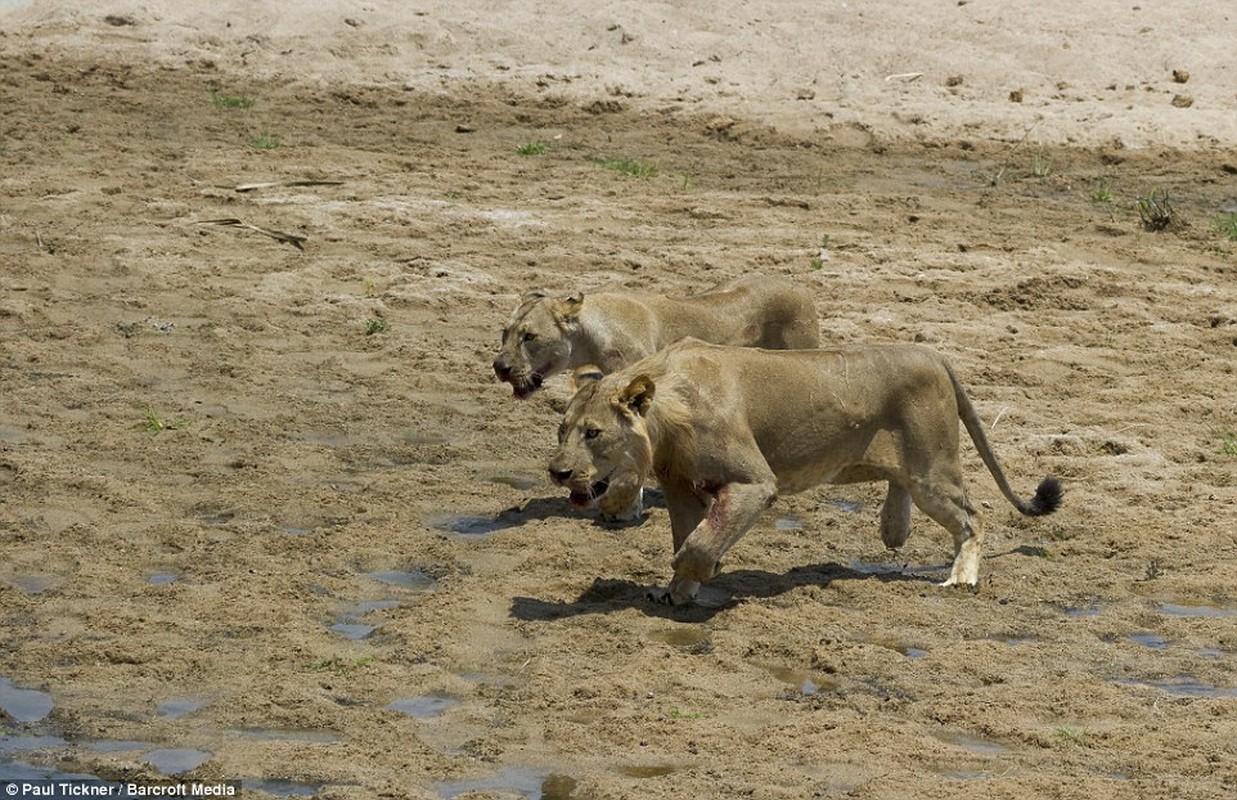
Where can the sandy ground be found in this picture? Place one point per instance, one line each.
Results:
(266, 515)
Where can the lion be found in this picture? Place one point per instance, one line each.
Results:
(727, 429)
(613, 329)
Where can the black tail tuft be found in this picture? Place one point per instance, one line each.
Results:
(1047, 498)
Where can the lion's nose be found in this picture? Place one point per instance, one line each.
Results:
(560, 475)
(501, 369)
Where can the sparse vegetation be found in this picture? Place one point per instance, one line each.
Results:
(631, 168)
(1227, 225)
(678, 714)
(265, 141)
(1228, 444)
(338, 666)
(533, 149)
(1101, 193)
(375, 325)
(1039, 166)
(156, 423)
(1074, 736)
(231, 101)
(1154, 210)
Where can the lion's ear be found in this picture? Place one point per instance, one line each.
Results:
(569, 307)
(531, 295)
(638, 395)
(583, 376)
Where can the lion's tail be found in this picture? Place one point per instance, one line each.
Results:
(1047, 495)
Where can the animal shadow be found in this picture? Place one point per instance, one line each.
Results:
(540, 508)
(607, 595)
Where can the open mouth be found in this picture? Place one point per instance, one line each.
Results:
(526, 385)
(586, 498)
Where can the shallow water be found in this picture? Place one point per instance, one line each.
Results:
(972, 743)
(533, 784)
(412, 579)
(179, 707)
(176, 761)
(1209, 612)
(424, 706)
(1184, 686)
(355, 631)
(24, 705)
(467, 524)
(280, 787)
(34, 583)
(1152, 640)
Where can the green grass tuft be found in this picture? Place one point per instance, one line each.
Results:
(631, 167)
(265, 141)
(1227, 225)
(231, 100)
(533, 149)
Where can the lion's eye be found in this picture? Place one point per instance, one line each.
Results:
(592, 433)
(528, 337)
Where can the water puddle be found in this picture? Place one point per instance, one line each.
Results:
(356, 631)
(213, 518)
(1208, 612)
(788, 523)
(1184, 686)
(1082, 611)
(34, 583)
(424, 707)
(116, 746)
(894, 568)
(533, 784)
(1012, 639)
(26, 744)
(176, 761)
(1152, 640)
(280, 787)
(161, 578)
(414, 580)
(179, 707)
(970, 743)
(683, 636)
(899, 647)
(849, 506)
(468, 524)
(648, 770)
(802, 681)
(24, 705)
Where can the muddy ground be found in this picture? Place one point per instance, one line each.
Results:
(252, 494)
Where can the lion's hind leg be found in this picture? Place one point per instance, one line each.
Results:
(896, 516)
(948, 506)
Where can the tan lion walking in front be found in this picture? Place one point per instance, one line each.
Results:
(727, 429)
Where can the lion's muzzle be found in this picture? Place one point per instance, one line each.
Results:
(522, 385)
(582, 494)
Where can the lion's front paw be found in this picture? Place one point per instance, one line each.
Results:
(661, 597)
(679, 593)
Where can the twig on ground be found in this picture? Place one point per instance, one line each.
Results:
(279, 236)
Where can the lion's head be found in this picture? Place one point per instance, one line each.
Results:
(604, 453)
(535, 344)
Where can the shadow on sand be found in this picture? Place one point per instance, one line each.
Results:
(727, 590)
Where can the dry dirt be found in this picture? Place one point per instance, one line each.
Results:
(253, 494)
